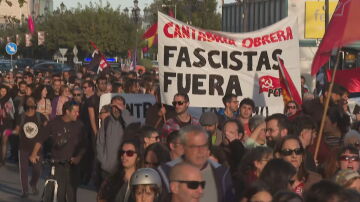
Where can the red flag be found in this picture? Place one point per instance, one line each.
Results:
(349, 78)
(103, 63)
(342, 30)
(171, 13)
(31, 25)
(268, 82)
(151, 31)
(288, 88)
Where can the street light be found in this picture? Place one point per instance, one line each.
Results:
(136, 15)
(126, 11)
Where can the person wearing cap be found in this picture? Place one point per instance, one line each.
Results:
(145, 185)
(209, 121)
(352, 137)
(349, 179)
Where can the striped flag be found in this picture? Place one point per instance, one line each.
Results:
(102, 63)
(289, 90)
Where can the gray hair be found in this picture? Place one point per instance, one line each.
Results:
(255, 121)
(185, 131)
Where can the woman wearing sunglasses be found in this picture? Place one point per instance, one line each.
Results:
(291, 150)
(116, 188)
(291, 108)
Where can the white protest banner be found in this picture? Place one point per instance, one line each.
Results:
(136, 104)
(208, 64)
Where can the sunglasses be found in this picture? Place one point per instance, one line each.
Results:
(193, 184)
(178, 103)
(77, 95)
(128, 153)
(291, 107)
(288, 152)
(349, 158)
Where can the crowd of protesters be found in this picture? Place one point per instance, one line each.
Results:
(228, 155)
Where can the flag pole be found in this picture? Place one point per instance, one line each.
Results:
(326, 107)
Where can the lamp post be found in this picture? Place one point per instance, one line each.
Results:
(136, 15)
(126, 11)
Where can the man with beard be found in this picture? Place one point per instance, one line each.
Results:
(231, 104)
(315, 108)
(277, 127)
(209, 121)
(69, 146)
(182, 118)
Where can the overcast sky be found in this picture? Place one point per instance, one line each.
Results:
(114, 3)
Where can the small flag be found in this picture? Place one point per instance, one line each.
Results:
(268, 82)
(31, 25)
(28, 40)
(18, 39)
(342, 30)
(288, 88)
(99, 59)
(41, 38)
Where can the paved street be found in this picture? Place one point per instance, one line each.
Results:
(10, 188)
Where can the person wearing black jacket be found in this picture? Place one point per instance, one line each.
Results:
(69, 145)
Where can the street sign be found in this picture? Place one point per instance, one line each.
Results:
(11, 48)
(75, 50)
(63, 51)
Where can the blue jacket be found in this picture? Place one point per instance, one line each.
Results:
(221, 173)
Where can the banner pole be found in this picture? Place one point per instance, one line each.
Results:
(326, 107)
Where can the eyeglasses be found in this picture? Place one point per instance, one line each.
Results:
(192, 184)
(291, 107)
(288, 152)
(77, 95)
(128, 153)
(178, 103)
(349, 158)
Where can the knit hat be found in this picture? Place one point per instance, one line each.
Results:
(208, 118)
(352, 137)
(344, 176)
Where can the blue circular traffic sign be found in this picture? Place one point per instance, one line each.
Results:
(11, 48)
